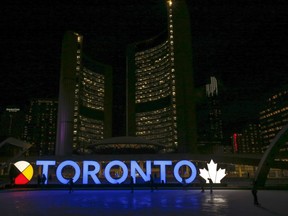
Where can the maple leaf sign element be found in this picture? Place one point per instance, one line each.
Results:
(212, 173)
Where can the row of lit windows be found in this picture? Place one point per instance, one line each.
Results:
(151, 60)
(151, 51)
(88, 131)
(92, 100)
(94, 105)
(88, 123)
(159, 136)
(160, 60)
(151, 115)
(152, 88)
(146, 70)
(272, 130)
(276, 112)
(92, 90)
(157, 126)
(87, 81)
(155, 76)
(152, 96)
(149, 73)
(155, 79)
(84, 139)
(92, 77)
(274, 122)
(158, 76)
(154, 57)
(145, 131)
(92, 123)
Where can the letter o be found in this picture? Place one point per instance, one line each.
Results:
(187, 163)
(60, 168)
(107, 172)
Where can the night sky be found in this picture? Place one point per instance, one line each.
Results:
(243, 43)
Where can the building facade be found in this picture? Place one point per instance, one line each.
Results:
(274, 116)
(85, 99)
(160, 93)
(249, 141)
(40, 127)
(12, 122)
(209, 119)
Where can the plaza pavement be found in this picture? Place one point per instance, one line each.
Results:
(51, 202)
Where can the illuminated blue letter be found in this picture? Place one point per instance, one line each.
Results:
(107, 172)
(67, 163)
(92, 173)
(45, 165)
(163, 168)
(135, 166)
(187, 163)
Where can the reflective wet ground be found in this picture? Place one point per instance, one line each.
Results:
(141, 202)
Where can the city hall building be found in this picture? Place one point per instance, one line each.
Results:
(160, 95)
(160, 85)
(85, 99)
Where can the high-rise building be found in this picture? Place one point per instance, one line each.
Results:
(209, 115)
(160, 89)
(12, 122)
(85, 98)
(274, 116)
(40, 127)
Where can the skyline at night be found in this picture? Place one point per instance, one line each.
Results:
(242, 44)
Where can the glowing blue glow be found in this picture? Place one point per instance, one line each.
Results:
(45, 165)
(135, 167)
(163, 165)
(185, 163)
(92, 173)
(124, 174)
(67, 163)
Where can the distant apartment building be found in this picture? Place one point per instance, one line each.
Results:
(12, 122)
(249, 141)
(40, 126)
(209, 119)
(274, 116)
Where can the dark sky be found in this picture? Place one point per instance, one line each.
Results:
(243, 43)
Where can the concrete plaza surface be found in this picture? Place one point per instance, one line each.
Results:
(141, 202)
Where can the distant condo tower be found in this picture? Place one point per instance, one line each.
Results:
(85, 99)
(160, 88)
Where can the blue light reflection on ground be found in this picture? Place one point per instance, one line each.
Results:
(141, 202)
